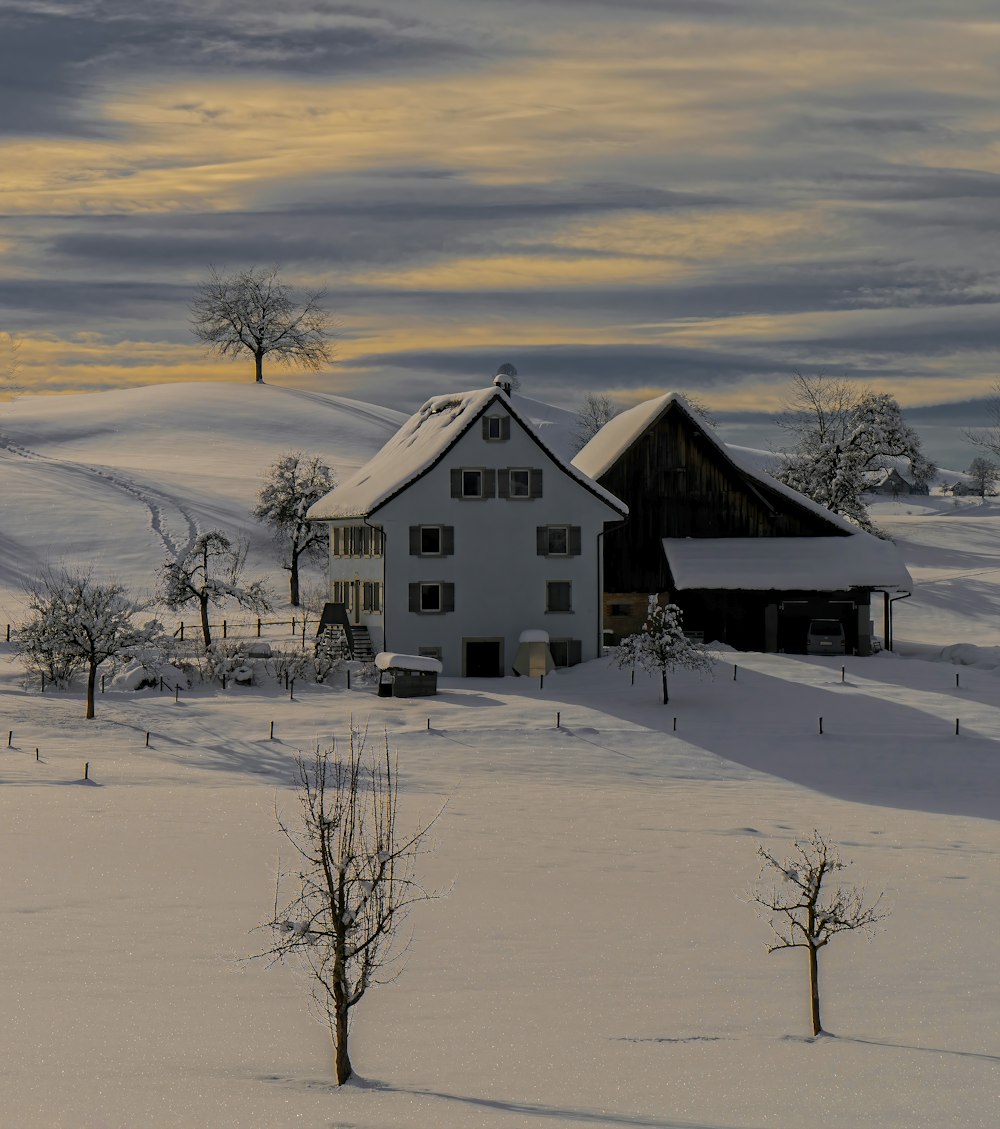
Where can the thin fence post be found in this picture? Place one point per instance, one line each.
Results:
(271, 738)
(258, 627)
(223, 682)
(86, 770)
(43, 683)
(821, 727)
(956, 681)
(102, 683)
(37, 756)
(558, 720)
(182, 631)
(291, 691)
(675, 724)
(428, 725)
(8, 632)
(225, 629)
(293, 625)
(843, 673)
(348, 680)
(956, 726)
(734, 672)
(633, 676)
(147, 738)
(10, 738)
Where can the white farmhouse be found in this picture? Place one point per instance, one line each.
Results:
(466, 530)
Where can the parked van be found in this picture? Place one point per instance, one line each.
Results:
(825, 637)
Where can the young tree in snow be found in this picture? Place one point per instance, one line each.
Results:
(596, 411)
(806, 908)
(350, 885)
(660, 645)
(210, 575)
(253, 311)
(985, 475)
(77, 623)
(988, 437)
(840, 434)
(291, 485)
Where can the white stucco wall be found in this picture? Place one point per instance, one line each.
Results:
(500, 580)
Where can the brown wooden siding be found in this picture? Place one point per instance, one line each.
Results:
(677, 484)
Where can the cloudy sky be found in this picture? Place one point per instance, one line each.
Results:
(623, 196)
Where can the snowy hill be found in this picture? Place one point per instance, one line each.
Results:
(595, 961)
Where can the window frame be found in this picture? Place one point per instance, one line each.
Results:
(439, 551)
(519, 470)
(482, 482)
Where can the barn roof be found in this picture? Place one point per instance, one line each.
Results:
(806, 564)
(423, 440)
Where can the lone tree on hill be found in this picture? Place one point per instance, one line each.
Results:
(985, 475)
(803, 911)
(253, 311)
(351, 882)
(291, 486)
(596, 411)
(77, 624)
(660, 645)
(841, 433)
(209, 574)
(988, 437)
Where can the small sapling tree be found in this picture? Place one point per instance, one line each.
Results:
(77, 623)
(596, 411)
(340, 907)
(209, 574)
(660, 645)
(806, 907)
(291, 486)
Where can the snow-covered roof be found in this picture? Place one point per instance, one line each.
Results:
(420, 443)
(618, 434)
(809, 564)
(389, 660)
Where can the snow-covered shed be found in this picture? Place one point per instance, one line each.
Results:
(466, 529)
(749, 560)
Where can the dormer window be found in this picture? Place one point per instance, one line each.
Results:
(496, 427)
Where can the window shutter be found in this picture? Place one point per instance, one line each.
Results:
(489, 483)
(486, 427)
(542, 540)
(448, 597)
(414, 597)
(456, 482)
(505, 427)
(447, 540)
(535, 489)
(574, 652)
(575, 546)
(414, 540)
(503, 483)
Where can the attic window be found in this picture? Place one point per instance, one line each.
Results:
(496, 427)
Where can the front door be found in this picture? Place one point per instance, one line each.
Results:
(482, 658)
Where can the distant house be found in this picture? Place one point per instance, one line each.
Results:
(891, 483)
(466, 530)
(749, 560)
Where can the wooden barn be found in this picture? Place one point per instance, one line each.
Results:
(750, 561)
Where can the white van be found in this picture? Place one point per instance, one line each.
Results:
(825, 637)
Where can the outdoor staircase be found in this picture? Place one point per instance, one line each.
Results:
(361, 644)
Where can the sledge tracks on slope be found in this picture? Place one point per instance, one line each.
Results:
(160, 505)
(370, 415)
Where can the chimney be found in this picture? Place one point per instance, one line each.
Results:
(505, 378)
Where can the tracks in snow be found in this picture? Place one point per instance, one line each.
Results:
(169, 520)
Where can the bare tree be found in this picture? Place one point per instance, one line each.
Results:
(291, 486)
(596, 411)
(253, 311)
(660, 645)
(988, 437)
(985, 475)
(805, 907)
(350, 885)
(210, 574)
(78, 624)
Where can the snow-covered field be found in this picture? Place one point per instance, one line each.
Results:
(595, 960)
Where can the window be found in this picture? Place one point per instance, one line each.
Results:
(566, 652)
(496, 427)
(371, 596)
(473, 482)
(619, 609)
(558, 596)
(558, 540)
(432, 597)
(520, 483)
(342, 592)
(432, 540)
(356, 541)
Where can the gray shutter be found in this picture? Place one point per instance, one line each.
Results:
(414, 597)
(486, 427)
(448, 597)
(575, 546)
(535, 489)
(503, 483)
(447, 540)
(505, 427)
(414, 540)
(574, 652)
(489, 483)
(456, 482)
(542, 540)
